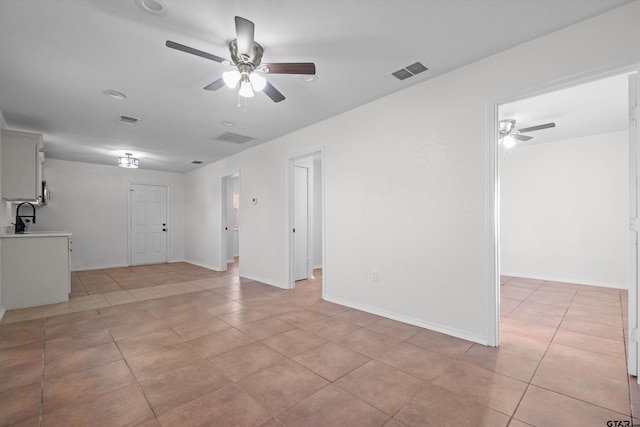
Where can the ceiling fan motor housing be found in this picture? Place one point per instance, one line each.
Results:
(252, 59)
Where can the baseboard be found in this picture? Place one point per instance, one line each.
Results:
(266, 282)
(465, 335)
(2, 312)
(98, 267)
(565, 280)
(107, 266)
(205, 265)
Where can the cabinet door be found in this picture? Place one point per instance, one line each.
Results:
(21, 166)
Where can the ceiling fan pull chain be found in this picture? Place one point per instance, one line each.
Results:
(245, 104)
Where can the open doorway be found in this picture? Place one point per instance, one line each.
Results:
(566, 191)
(230, 250)
(306, 219)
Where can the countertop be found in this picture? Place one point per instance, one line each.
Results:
(37, 234)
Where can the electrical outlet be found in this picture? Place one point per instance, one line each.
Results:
(374, 276)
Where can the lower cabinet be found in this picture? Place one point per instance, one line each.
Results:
(35, 270)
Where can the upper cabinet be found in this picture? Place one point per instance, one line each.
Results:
(22, 159)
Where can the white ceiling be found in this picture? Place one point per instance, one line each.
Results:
(57, 56)
(582, 110)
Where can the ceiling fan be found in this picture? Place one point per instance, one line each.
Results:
(507, 128)
(246, 56)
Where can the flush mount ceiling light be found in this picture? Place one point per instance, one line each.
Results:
(114, 94)
(128, 162)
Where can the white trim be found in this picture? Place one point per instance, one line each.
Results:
(205, 265)
(564, 280)
(224, 256)
(628, 65)
(289, 167)
(465, 335)
(493, 227)
(2, 312)
(266, 282)
(632, 353)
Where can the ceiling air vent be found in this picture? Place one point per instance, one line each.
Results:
(128, 120)
(234, 138)
(409, 71)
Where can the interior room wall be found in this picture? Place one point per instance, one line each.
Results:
(564, 211)
(91, 201)
(406, 184)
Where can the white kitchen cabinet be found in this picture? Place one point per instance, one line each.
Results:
(35, 269)
(22, 159)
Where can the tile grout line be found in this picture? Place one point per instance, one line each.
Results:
(512, 417)
(562, 394)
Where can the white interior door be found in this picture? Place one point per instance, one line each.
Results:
(300, 223)
(148, 216)
(634, 357)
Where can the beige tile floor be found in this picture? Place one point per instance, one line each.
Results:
(176, 344)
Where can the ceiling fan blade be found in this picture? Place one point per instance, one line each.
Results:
(187, 49)
(244, 35)
(215, 85)
(539, 127)
(521, 137)
(290, 68)
(273, 93)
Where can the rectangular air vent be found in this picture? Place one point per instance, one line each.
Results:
(409, 71)
(234, 138)
(128, 120)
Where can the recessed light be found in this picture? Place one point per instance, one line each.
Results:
(154, 7)
(227, 123)
(309, 78)
(114, 94)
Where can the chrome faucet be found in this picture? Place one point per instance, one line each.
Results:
(20, 224)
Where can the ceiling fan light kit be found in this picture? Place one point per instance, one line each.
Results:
(246, 57)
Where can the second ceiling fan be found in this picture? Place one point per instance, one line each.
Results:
(507, 128)
(246, 57)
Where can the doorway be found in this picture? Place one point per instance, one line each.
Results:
(512, 184)
(148, 227)
(305, 218)
(230, 230)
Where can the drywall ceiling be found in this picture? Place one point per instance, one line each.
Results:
(586, 109)
(58, 56)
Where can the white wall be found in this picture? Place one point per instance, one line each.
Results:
(91, 201)
(564, 211)
(406, 185)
